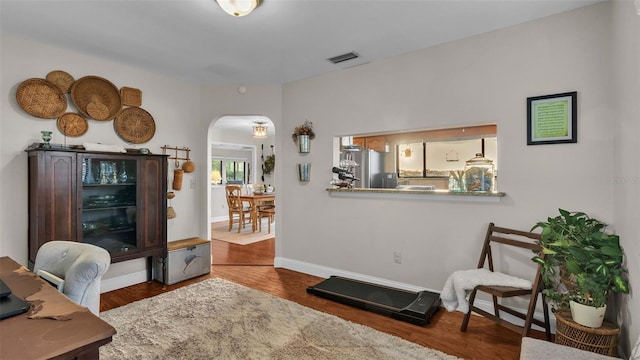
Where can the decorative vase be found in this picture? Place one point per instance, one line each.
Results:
(89, 179)
(587, 315)
(123, 173)
(303, 171)
(304, 144)
(46, 137)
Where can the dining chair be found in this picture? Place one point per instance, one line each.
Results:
(269, 213)
(502, 243)
(264, 204)
(237, 209)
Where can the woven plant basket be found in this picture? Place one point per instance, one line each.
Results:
(602, 340)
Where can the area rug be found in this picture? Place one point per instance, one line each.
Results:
(218, 319)
(220, 231)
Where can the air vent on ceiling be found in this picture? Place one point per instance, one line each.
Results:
(344, 57)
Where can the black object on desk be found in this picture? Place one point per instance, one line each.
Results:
(10, 305)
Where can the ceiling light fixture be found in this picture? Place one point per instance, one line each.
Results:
(259, 130)
(238, 7)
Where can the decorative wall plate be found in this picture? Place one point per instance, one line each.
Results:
(41, 98)
(94, 89)
(62, 79)
(134, 125)
(72, 124)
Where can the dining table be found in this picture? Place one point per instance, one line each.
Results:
(255, 200)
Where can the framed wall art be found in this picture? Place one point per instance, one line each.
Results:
(552, 119)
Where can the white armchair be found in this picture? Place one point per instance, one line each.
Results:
(80, 265)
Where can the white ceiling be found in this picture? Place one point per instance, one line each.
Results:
(243, 125)
(281, 41)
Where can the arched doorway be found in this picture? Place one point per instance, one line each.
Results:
(236, 156)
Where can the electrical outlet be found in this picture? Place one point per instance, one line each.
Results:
(397, 257)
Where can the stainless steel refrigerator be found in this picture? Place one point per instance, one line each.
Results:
(370, 170)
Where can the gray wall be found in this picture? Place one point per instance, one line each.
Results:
(479, 80)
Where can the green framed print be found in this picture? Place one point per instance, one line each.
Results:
(552, 119)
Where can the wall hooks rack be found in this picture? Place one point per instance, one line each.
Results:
(177, 150)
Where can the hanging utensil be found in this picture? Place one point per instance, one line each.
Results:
(262, 157)
(188, 166)
(177, 162)
(177, 179)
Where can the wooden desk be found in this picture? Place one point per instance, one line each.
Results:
(255, 201)
(54, 327)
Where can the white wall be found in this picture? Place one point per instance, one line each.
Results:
(483, 79)
(174, 105)
(625, 179)
(219, 101)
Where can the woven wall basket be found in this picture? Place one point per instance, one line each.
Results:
(171, 213)
(41, 98)
(62, 79)
(102, 97)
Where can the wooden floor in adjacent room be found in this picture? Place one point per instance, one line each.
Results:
(483, 339)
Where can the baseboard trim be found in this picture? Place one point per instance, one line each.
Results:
(219, 218)
(325, 272)
(119, 282)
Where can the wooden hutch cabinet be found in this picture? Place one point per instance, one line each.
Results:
(117, 201)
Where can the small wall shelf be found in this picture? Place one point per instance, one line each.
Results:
(476, 196)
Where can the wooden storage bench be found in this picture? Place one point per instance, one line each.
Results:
(186, 259)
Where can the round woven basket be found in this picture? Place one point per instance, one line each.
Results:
(62, 79)
(134, 125)
(602, 340)
(41, 98)
(188, 166)
(72, 124)
(96, 90)
(98, 110)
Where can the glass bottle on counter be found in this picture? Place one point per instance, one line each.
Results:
(479, 174)
(456, 180)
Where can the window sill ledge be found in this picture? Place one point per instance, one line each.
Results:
(477, 196)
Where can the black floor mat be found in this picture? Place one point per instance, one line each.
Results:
(416, 308)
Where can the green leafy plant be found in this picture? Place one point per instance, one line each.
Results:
(580, 260)
(269, 164)
(304, 129)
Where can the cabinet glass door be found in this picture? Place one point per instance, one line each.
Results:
(109, 193)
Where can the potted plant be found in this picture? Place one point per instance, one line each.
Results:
(581, 263)
(302, 134)
(269, 164)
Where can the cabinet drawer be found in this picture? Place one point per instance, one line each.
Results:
(186, 259)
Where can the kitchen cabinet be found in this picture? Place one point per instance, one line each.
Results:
(376, 143)
(360, 142)
(113, 200)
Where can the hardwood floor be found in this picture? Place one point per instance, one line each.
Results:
(260, 253)
(483, 340)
